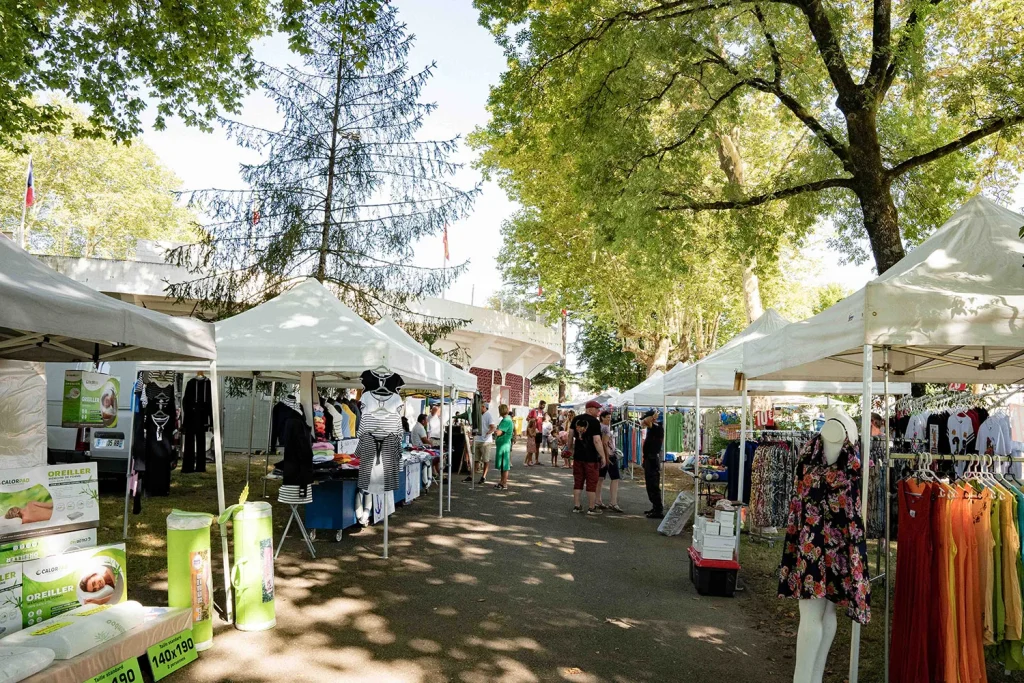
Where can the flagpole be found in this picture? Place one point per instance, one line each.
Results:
(21, 230)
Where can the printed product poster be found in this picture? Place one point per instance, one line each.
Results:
(10, 599)
(267, 553)
(379, 502)
(45, 546)
(55, 585)
(202, 585)
(48, 496)
(90, 399)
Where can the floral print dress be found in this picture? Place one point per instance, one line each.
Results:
(825, 555)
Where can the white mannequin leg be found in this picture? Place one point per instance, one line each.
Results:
(810, 639)
(828, 634)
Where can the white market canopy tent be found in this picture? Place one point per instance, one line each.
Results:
(46, 316)
(952, 310)
(307, 329)
(453, 376)
(628, 397)
(715, 374)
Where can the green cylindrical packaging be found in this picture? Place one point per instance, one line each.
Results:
(190, 571)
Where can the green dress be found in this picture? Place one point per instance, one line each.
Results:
(503, 445)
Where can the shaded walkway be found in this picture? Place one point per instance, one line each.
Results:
(510, 588)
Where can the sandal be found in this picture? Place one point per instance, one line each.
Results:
(616, 508)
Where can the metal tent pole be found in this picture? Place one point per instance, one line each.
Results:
(888, 441)
(664, 444)
(696, 450)
(865, 452)
(440, 488)
(252, 425)
(451, 443)
(218, 454)
(743, 462)
(270, 433)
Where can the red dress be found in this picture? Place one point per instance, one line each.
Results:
(910, 641)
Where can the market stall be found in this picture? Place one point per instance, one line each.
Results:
(52, 567)
(950, 311)
(304, 331)
(454, 379)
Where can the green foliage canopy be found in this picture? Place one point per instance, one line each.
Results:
(93, 198)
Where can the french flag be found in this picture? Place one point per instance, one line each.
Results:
(30, 195)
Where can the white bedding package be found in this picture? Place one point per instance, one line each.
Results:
(18, 663)
(72, 633)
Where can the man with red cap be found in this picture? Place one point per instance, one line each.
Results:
(588, 457)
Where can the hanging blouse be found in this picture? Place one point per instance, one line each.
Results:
(825, 554)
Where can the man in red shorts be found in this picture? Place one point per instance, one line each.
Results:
(588, 457)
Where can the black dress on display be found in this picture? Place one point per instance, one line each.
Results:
(158, 452)
(197, 420)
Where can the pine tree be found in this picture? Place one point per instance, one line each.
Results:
(344, 189)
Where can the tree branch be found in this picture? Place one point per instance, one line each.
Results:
(881, 43)
(661, 152)
(967, 140)
(756, 200)
(773, 49)
(830, 50)
(913, 19)
(793, 105)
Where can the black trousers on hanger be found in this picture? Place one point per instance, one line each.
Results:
(194, 459)
(652, 477)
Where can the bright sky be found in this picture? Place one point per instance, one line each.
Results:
(468, 62)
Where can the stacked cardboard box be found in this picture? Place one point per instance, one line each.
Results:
(715, 539)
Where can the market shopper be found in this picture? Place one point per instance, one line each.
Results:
(588, 457)
(482, 443)
(550, 441)
(532, 450)
(536, 416)
(565, 438)
(434, 425)
(611, 469)
(503, 446)
(652, 462)
(419, 433)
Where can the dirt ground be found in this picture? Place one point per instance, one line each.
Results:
(508, 587)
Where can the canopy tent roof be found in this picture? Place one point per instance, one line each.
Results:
(307, 329)
(716, 372)
(952, 310)
(603, 398)
(628, 397)
(46, 316)
(453, 376)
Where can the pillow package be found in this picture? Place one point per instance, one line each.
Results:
(72, 633)
(18, 663)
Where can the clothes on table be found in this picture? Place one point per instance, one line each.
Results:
(380, 445)
(674, 433)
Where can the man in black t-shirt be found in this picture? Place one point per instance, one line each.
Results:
(588, 456)
(652, 462)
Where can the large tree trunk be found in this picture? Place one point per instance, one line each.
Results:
(659, 359)
(752, 291)
(730, 160)
(874, 189)
(562, 388)
(324, 249)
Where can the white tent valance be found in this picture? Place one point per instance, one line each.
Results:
(952, 310)
(453, 376)
(307, 329)
(46, 316)
(716, 373)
